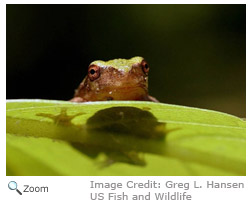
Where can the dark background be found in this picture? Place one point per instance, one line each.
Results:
(196, 53)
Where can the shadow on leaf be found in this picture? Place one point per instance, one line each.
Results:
(117, 131)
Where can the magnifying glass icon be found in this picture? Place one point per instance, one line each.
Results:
(13, 186)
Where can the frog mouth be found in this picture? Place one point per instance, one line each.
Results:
(131, 87)
(138, 92)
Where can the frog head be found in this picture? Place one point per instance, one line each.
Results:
(118, 79)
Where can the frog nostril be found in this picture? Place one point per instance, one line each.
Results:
(109, 98)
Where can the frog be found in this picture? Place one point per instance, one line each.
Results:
(117, 79)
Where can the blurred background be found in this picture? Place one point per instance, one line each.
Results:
(196, 53)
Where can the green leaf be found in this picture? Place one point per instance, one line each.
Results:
(47, 137)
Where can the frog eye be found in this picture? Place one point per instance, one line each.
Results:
(93, 72)
(145, 66)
